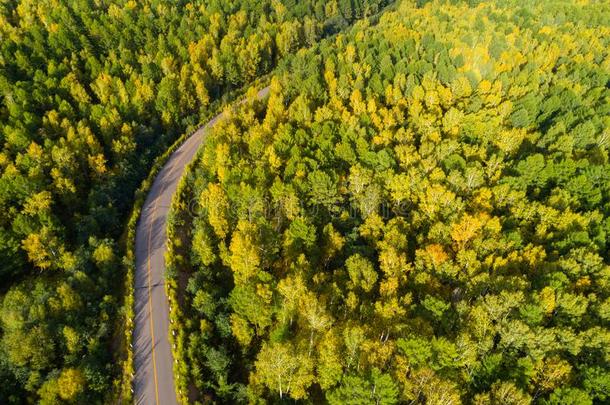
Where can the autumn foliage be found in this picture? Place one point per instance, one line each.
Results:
(419, 213)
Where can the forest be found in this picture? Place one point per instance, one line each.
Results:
(418, 214)
(91, 91)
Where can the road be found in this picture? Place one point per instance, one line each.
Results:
(153, 361)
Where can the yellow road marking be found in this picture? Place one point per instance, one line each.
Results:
(150, 307)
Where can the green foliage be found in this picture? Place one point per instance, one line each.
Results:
(353, 390)
(90, 94)
(422, 214)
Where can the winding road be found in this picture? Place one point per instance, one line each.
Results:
(153, 361)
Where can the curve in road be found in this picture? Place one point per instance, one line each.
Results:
(153, 360)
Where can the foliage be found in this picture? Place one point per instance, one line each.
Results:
(419, 213)
(90, 93)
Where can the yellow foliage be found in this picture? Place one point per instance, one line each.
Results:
(72, 339)
(445, 96)
(70, 300)
(393, 263)
(245, 258)
(483, 199)
(468, 228)
(389, 286)
(358, 105)
(71, 382)
(274, 161)
(547, 299)
(510, 140)
(35, 246)
(216, 202)
(241, 330)
(437, 254)
(97, 163)
(552, 373)
(461, 87)
(431, 98)
(38, 203)
(436, 198)
(583, 282)
(263, 291)
(484, 86)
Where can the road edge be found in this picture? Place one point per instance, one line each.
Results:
(123, 390)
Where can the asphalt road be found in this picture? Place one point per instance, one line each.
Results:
(153, 361)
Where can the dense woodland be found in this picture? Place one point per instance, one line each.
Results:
(419, 213)
(90, 92)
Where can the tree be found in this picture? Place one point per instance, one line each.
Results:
(323, 190)
(43, 248)
(354, 390)
(215, 201)
(168, 98)
(245, 258)
(315, 316)
(49, 392)
(503, 392)
(569, 396)
(283, 372)
(71, 383)
(288, 37)
(361, 272)
(329, 366)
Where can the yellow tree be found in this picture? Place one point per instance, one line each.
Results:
(245, 257)
(71, 382)
(43, 248)
(283, 370)
(215, 201)
(315, 316)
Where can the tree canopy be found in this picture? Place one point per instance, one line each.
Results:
(90, 93)
(419, 213)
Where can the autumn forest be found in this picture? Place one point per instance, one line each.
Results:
(418, 213)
